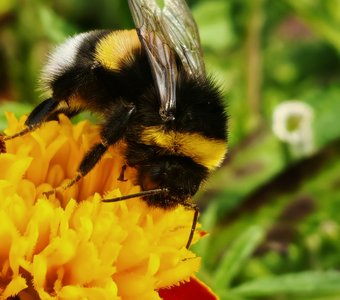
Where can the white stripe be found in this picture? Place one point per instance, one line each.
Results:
(61, 58)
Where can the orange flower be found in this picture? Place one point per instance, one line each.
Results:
(192, 289)
(71, 245)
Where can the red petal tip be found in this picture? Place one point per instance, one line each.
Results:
(192, 289)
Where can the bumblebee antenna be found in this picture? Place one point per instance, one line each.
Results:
(140, 194)
(20, 133)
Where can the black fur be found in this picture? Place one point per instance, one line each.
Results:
(179, 174)
(199, 109)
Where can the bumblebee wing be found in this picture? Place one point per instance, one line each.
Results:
(147, 17)
(180, 29)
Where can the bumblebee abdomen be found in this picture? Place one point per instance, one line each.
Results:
(204, 151)
(199, 130)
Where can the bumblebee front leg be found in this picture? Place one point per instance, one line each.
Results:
(112, 131)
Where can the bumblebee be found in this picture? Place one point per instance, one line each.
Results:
(150, 87)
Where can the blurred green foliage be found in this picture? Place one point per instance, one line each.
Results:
(273, 216)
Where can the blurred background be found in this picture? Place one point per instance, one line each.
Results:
(273, 208)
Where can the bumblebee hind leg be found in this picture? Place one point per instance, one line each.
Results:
(39, 114)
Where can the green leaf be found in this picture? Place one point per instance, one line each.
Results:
(311, 283)
(235, 258)
(215, 28)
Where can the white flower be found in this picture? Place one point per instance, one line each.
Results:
(292, 123)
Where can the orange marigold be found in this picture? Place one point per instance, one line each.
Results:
(71, 245)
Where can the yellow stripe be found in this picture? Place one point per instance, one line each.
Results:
(205, 151)
(116, 48)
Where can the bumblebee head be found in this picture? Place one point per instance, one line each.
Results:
(179, 175)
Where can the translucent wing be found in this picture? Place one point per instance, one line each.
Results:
(164, 33)
(147, 17)
(181, 31)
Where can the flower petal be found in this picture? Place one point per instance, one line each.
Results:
(14, 287)
(72, 245)
(192, 289)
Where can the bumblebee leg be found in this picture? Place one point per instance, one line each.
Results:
(122, 173)
(2, 144)
(39, 114)
(194, 222)
(112, 131)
